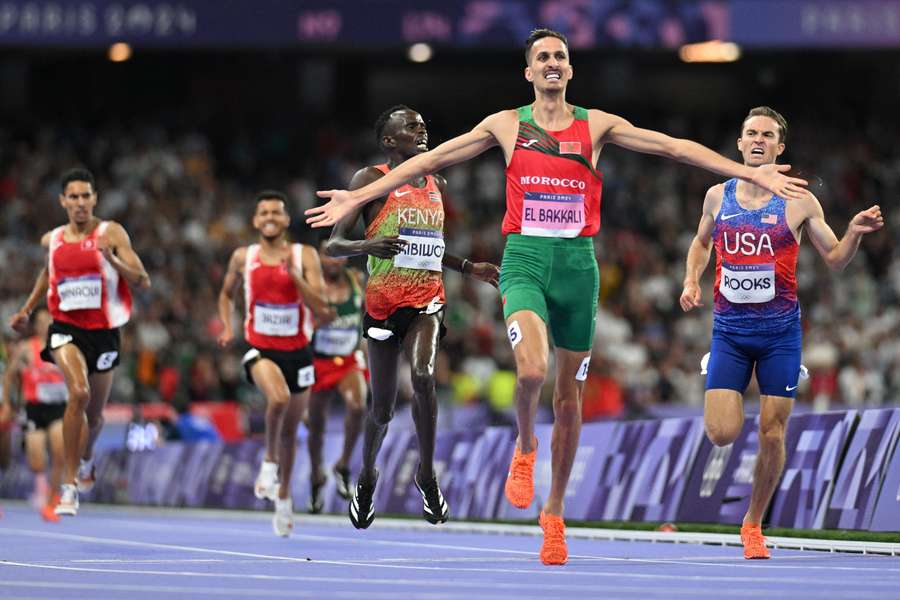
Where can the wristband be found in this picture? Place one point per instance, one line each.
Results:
(462, 267)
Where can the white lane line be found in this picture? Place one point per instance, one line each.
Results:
(642, 591)
(543, 571)
(699, 561)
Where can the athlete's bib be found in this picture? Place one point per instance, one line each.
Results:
(79, 293)
(281, 320)
(424, 249)
(745, 284)
(336, 342)
(552, 215)
(52, 393)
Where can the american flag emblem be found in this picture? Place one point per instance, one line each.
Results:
(434, 196)
(770, 219)
(570, 147)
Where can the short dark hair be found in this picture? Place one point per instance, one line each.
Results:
(765, 111)
(270, 195)
(77, 174)
(382, 120)
(541, 33)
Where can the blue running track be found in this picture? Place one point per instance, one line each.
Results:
(114, 552)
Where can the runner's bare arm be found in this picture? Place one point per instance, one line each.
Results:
(311, 284)
(116, 248)
(230, 285)
(339, 244)
(616, 130)
(451, 152)
(19, 320)
(700, 250)
(838, 253)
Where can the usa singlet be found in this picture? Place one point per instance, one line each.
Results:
(552, 187)
(756, 267)
(276, 317)
(84, 289)
(414, 276)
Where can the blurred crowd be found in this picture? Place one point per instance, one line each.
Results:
(186, 201)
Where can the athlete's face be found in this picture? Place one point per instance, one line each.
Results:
(271, 218)
(331, 266)
(759, 142)
(79, 200)
(548, 68)
(406, 133)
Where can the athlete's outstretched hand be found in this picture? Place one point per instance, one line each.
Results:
(384, 246)
(867, 221)
(690, 296)
(19, 321)
(772, 178)
(338, 206)
(486, 272)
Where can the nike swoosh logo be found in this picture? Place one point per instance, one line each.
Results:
(398, 194)
(726, 217)
(529, 143)
(789, 388)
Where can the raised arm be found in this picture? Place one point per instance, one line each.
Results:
(453, 151)
(339, 244)
(233, 277)
(839, 253)
(613, 129)
(116, 248)
(700, 250)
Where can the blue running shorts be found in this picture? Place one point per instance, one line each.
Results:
(776, 356)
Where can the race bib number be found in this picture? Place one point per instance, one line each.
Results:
(52, 393)
(105, 361)
(553, 215)
(306, 376)
(282, 320)
(747, 284)
(424, 249)
(80, 293)
(336, 342)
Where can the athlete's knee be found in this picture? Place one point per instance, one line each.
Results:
(381, 415)
(567, 407)
(423, 381)
(95, 421)
(771, 433)
(531, 374)
(722, 434)
(79, 395)
(279, 400)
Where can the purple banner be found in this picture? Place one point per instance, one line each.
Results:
(887, 508)
(862, 472)
(816, 443)
(231, 483)
(645, 470)
(718, 490)
(485, 474)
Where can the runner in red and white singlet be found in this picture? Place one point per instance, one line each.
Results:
(282, 287)
(90, 263)
(44, 393)
(548, 69)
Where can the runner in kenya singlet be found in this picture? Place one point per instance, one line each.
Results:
(414, 277)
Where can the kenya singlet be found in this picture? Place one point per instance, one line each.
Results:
(276, 317)
(84, 289)
(756, 266)
(414, 277)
